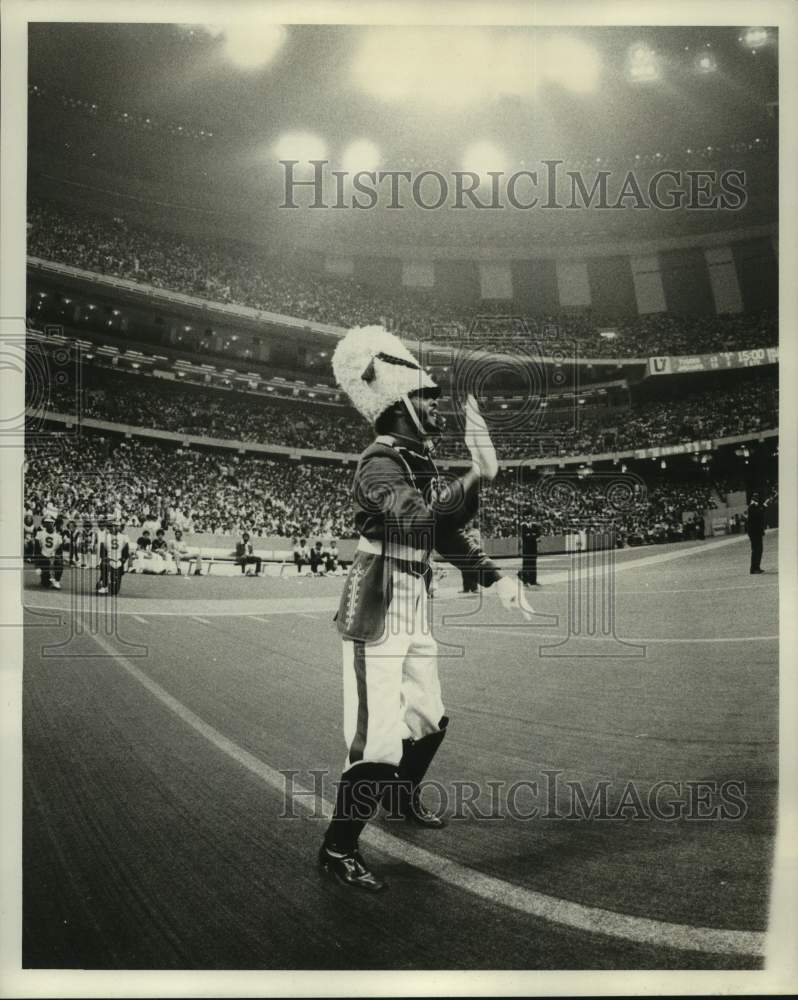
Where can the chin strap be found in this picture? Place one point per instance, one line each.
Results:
(426, 440)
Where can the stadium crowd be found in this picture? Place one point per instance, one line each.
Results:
(669, 511)
(145, 402)
(140, 401)
(217, 492)
(198, 491)
(749, 407)
(225, 271)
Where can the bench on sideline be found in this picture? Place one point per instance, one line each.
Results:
(223, 562)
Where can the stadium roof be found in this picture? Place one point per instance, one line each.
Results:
(162, 112)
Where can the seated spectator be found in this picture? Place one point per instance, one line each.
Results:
(159, 547)
(245, 554)
(317, 567)
(301, 554)
(144, 560)
(331, 561)
(180, 553)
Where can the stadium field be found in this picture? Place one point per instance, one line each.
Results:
(166, 736)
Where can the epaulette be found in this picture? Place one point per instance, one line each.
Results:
(386, 446)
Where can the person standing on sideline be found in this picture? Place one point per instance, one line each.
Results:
(755, 526)
(49, 551)
(394, 718)
(70, 534)
(471, 576)
(87, 543)
(114, 555)
(530, 532)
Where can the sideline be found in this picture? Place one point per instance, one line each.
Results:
(231, 607)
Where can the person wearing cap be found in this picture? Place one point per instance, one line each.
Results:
(159, 543)
(394, 718)
(114, 555)
(48, 551)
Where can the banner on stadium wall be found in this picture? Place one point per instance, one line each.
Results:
(662, 451)
(664, 365)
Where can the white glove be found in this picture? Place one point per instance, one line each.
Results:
(478, 441)
(512, 596)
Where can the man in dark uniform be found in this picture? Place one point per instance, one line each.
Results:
(755, 526)
(530, 532)
(394, 719)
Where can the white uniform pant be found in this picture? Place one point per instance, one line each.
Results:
(391, 686)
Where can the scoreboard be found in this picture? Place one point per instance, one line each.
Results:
(753, 358)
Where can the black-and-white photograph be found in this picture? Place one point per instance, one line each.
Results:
(432, 367)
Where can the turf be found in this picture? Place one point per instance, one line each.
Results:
(147, 847)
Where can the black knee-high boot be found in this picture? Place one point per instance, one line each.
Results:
(416, 758)
(360, 791)
(359, 794)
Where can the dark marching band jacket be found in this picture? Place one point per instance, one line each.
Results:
(403, 511)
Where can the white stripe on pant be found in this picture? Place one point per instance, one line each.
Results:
(391, 686)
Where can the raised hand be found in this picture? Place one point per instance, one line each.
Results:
(478, 442)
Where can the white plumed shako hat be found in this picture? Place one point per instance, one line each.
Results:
(376, 370)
